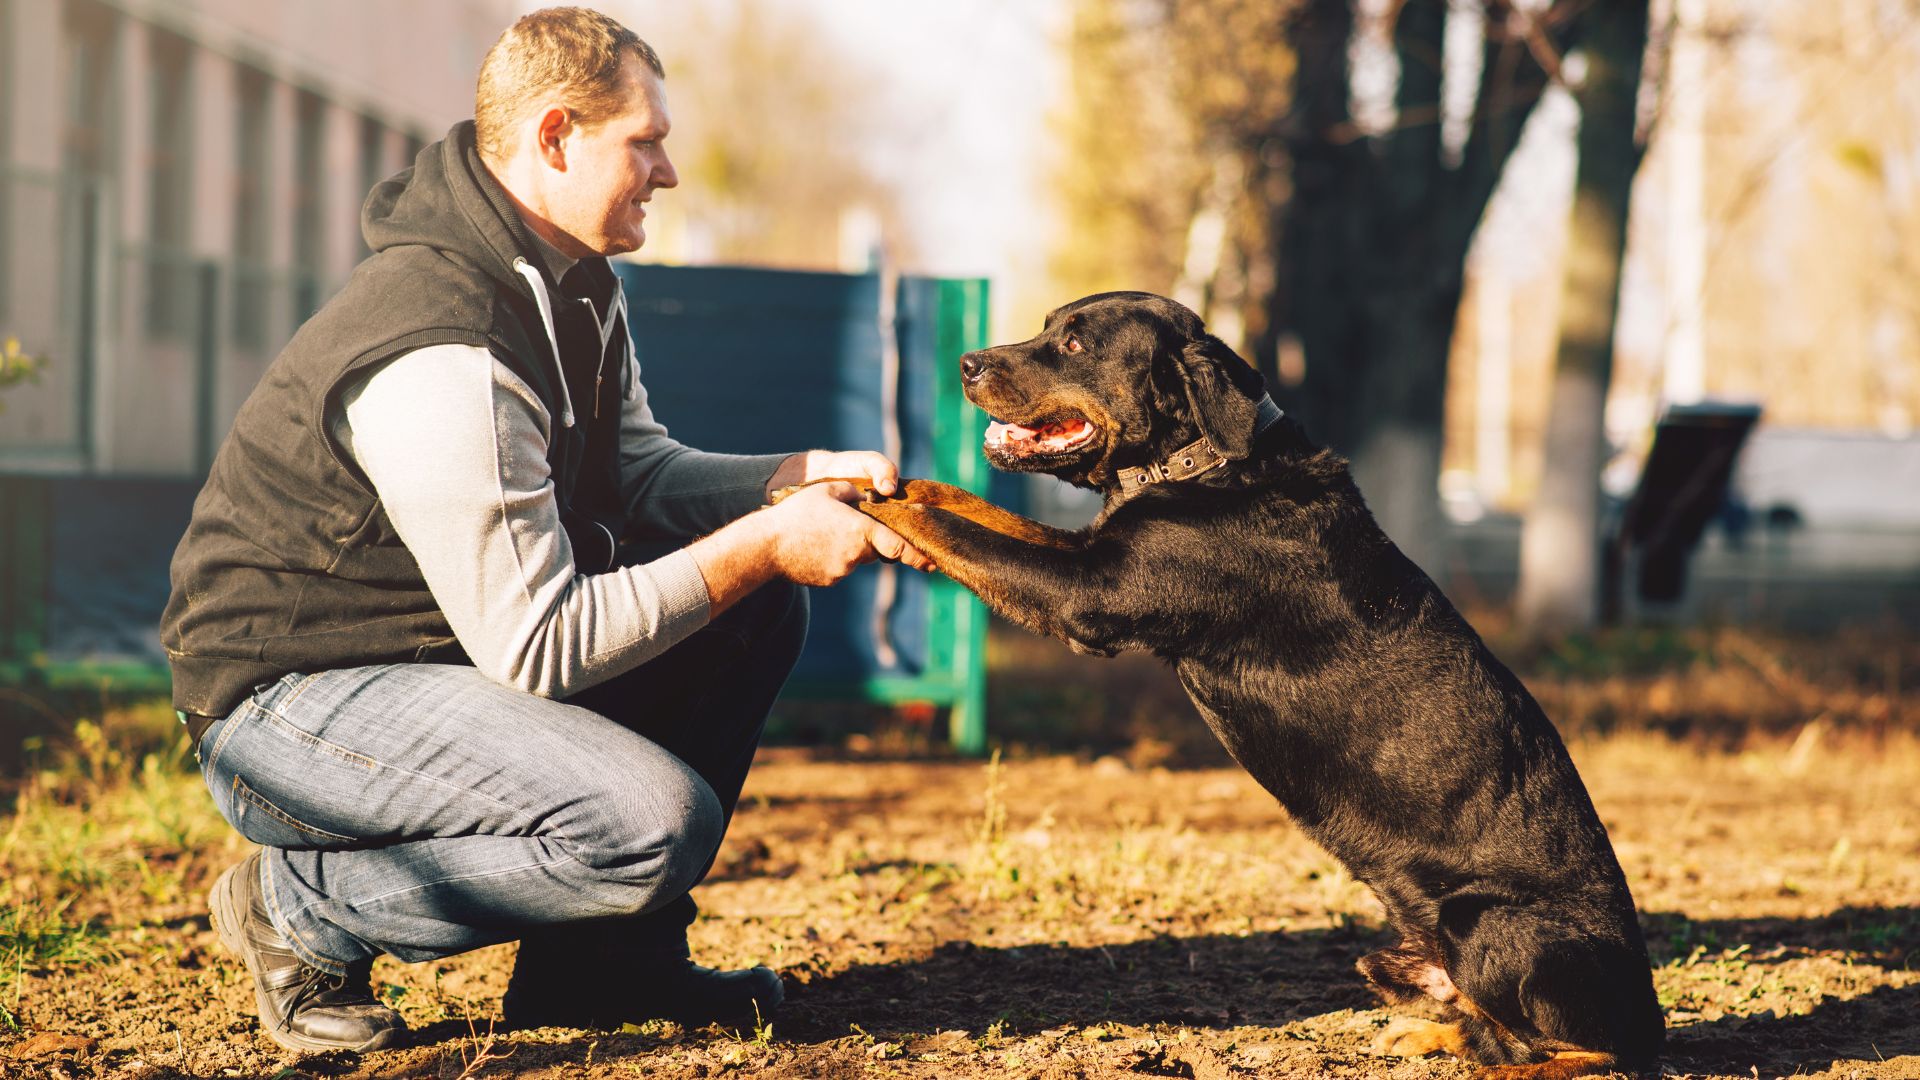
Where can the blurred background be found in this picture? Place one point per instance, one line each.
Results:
(1614, 306)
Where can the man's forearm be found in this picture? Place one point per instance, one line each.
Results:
(736, 560)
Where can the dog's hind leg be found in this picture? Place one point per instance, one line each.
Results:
(1409, 972)
(1562, 1066)
(1582, 1002)
(1406, 973)
(1411, 1036)
(1470, 1036)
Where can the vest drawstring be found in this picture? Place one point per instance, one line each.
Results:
(545, 303)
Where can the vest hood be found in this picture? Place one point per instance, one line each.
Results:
(449, 201)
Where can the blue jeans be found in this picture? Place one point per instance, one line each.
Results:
(423, 810)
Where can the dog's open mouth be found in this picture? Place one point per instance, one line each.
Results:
(1047, 437)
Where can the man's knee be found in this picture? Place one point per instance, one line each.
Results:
(772, 619)
(656, 835)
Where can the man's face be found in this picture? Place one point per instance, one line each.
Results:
(613, 167)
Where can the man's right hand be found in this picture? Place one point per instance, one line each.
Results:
(819, 538)
(812, 537)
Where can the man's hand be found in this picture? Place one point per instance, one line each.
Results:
(812, 537)
(813, 465)
(819, 539)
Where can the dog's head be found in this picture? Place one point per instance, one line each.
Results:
(1112, 381)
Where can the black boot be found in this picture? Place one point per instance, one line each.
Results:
(605, 973)
(301, 1007)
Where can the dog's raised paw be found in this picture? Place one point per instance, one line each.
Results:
(1408, 1036)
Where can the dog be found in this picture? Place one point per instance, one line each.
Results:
(1329, 665)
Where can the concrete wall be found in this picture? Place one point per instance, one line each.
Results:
(126, 390)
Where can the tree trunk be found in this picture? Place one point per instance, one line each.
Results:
(1373, 250)
(1395, 443)
(1318, 229)
(1560, 543)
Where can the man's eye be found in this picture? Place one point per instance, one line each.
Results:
(1073, 343)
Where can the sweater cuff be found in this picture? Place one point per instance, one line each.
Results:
(685, 603)
(736, 482)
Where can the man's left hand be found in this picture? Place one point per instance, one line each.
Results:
(811, 465)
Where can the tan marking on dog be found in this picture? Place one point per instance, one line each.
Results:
(1562, 1066)
(1408, 1036)
(1438, 985)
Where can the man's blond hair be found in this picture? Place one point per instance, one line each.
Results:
(576, 54)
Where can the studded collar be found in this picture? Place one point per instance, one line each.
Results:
(1195, 458)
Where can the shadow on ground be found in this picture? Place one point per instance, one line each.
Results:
(1270, 980)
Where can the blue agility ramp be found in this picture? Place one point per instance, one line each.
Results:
(765, 361)
(740, 360)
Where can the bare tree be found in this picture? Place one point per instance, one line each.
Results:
(1374, 240)
(1560, 545)
(1169, 170)
(785, 122)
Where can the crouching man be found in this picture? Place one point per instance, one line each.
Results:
(441, 633)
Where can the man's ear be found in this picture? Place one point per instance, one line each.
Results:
(552, 127)
(1217, 381)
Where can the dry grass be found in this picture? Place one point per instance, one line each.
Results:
(1060, 914)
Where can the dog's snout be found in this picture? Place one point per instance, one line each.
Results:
(972, 366)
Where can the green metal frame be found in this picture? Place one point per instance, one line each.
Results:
(956, 672)
(957, 638)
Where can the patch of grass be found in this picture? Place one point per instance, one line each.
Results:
(36, 934)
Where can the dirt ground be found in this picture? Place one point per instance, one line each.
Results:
(1055, 916)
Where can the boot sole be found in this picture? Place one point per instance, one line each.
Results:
(224, 910)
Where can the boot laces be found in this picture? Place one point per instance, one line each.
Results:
(312, 985)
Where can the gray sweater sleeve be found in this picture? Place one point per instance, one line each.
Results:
(676, 491)
(455, 446)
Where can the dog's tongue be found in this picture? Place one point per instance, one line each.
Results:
(999, 432)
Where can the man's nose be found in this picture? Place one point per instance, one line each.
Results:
(972, 366)
(665, 176)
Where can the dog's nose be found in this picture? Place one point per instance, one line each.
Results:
(972, 366)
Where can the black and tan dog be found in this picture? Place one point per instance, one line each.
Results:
(1331, 667)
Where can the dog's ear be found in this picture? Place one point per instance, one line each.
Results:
(1223, 392)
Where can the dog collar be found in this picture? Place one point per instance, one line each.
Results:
(1194, 458)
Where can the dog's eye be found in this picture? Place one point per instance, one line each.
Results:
(1073, 343)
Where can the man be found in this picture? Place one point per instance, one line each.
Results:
(422, 664)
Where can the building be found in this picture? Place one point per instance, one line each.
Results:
(180, 186)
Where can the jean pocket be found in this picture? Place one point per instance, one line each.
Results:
(258, 819)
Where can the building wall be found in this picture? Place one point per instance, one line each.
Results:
(147, 353)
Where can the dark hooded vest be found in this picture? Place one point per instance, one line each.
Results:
(290, 563)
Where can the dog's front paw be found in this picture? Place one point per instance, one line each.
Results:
(1408, 1036)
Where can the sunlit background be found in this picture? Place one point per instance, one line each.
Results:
(1387, 239)
(1613, 306)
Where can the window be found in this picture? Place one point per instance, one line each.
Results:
(171, 275)
(6, 156)
(87, 141)
(253, 96)
(90, 31)
(309, 213)
(373, 169)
